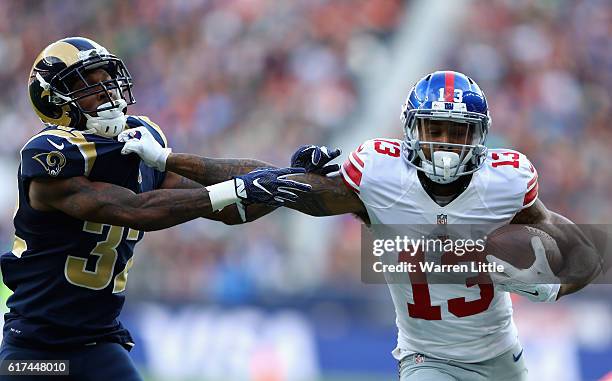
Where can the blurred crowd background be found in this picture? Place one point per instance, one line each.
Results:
(257, 78)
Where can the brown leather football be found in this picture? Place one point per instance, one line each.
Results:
(512, 243)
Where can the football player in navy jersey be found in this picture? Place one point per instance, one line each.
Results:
(83, 206)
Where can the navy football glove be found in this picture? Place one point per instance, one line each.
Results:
(269, 186)
(314, 159)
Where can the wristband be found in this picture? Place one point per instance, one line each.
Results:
(222, 194)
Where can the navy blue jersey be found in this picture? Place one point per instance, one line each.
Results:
(69, 276)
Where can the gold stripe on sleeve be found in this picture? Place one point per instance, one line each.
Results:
(87, 148)
(156, 127)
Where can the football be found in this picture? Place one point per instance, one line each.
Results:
(512, 243)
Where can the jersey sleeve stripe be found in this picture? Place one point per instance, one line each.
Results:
(356, 161)
(531, 196)
(348, 184)
(532, 182)
(352, 172)
(156, 128)
(87, 148)
(347, 179)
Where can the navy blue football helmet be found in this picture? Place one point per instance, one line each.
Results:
(446, 121)
(66, 62)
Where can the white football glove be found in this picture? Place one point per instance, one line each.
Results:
(141, 142)
(524, 281)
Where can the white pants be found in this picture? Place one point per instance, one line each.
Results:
(509, 366)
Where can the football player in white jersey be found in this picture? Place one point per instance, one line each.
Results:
(442, 173)
(442, 170)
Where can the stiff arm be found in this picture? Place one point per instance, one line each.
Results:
(329, 196)
(111, 204)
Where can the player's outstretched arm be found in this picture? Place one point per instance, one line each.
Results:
(203, 170)
(208, 171)
(186, 171)
(582, 263)
(229, 215)
(329, 196)
(111, 204)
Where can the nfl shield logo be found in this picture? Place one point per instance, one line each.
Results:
(419, 358)
(441, 219)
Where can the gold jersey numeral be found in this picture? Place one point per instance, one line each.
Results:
(105, 256)
(121, 278)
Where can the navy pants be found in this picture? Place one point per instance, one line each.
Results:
(100, 362)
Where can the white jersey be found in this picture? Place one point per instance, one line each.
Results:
(447, 321)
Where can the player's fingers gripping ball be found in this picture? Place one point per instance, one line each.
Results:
(531, 260)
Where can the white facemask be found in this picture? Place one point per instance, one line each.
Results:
(109, 123)
(445, 167)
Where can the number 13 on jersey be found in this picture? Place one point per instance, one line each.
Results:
(422, 308)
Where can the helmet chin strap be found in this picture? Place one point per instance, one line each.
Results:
(108, 123)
